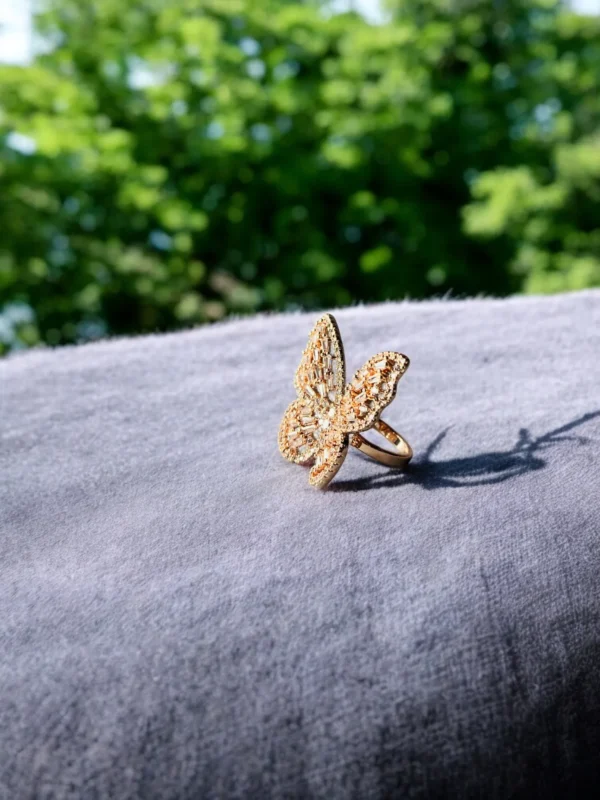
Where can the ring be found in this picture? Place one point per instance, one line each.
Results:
(328, 416)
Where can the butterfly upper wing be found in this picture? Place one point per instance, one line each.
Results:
(371, 390)
(321, 375)
(319, 382)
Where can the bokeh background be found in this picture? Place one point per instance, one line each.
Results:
(167, 163)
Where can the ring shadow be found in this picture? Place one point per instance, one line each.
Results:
(494, 466)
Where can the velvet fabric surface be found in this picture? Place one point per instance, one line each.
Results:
(182, 616)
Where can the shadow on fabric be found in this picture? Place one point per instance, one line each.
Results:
(494, 466)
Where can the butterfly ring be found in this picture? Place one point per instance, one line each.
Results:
(328, 416)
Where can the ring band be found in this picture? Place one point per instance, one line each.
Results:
(398, 459)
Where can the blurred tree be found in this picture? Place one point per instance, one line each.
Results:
(524, 130)
(545, 203)
(166, 164)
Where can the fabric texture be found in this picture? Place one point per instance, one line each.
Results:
(182, 616)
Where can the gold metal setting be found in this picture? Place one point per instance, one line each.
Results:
(329, 415)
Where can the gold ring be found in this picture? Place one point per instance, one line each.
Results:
(399, 459)
(328, 416)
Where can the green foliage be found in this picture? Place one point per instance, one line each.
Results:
(547, 206)
(164, 164)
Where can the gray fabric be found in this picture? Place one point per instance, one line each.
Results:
(182, 616)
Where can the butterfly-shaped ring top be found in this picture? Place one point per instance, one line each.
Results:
(317, 427)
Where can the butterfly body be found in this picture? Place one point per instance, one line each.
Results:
(316, 428)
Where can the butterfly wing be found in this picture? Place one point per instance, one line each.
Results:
(329, 458)
(297, 440)
(321, 375)
(319, 382)
(371, 390)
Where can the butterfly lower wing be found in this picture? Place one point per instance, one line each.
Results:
(330, 458)
(297, 440)
(321, 376)
(371, 390)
